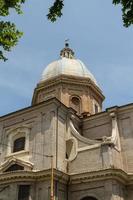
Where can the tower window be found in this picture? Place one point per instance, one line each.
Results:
(24, 192)
(75, 104)
(19, 144)
(75, 100)
(96, 108)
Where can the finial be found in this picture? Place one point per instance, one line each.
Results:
(66, 51)
(67, 43)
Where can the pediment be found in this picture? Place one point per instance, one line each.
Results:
(16, 161)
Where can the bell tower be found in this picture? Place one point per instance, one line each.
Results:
(69, 80)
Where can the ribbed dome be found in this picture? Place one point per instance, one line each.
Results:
(67, 66)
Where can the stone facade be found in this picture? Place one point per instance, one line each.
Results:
(91, 150)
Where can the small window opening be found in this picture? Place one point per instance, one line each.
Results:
(69, 147)
(19, 144)
(96, 108)
(75, 100)
(75, 104)
(24, 192)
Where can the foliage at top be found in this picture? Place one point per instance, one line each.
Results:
(9, 35)
(55, 10)
(127, 11)
(5, 6)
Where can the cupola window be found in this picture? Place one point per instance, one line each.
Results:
(75, 103)
(96, 108)
(19, 144)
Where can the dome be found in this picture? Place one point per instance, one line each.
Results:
(67, 66)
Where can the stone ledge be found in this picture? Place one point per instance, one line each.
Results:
(112, 174)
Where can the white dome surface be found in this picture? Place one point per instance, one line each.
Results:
(67, 66)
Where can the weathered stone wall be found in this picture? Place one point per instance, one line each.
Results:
(95, 127)
(125, 119)
(10, 191)
(88, 160)
(50, 129)
(42, 135)
(101, 190)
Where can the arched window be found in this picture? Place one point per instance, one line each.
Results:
(75, 103)
(14, 167)
(96, 108)
(19, 144)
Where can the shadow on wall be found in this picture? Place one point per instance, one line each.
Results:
(89, 198)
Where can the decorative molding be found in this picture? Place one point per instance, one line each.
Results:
(107, 174)
(65, 79)
(14, 160)
(114, 139)
(18, 153)
(113, 174)
(14, 133)
(20, 176)
(86, 148)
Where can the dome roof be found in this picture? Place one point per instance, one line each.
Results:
(67, 66)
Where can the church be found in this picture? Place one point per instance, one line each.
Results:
(63, 146)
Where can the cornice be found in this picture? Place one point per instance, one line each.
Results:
(100, 175)
(64, 79)
(76, 178)
(31, 176)
(32, 108)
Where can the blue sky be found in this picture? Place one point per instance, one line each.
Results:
(96, 35)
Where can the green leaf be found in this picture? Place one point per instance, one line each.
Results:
(9, 35)
(55, 11)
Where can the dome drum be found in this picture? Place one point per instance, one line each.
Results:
(69, 80)
(65, 87)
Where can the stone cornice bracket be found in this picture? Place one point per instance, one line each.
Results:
(114, 139)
